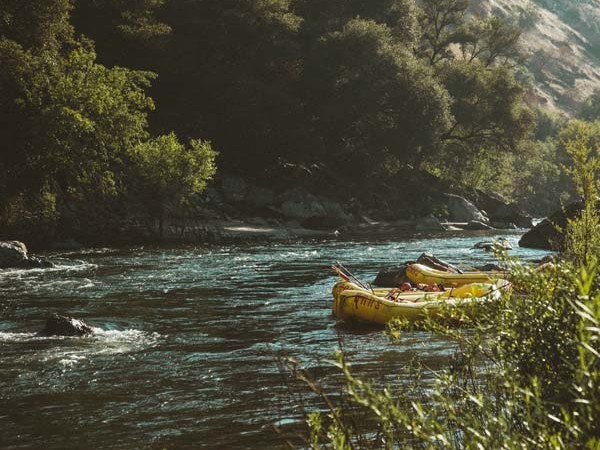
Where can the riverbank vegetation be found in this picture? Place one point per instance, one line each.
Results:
(99, 97)
(525, 375)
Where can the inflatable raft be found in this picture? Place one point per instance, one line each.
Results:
(418, 273)
(379, 306)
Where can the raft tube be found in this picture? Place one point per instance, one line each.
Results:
(418, 273)
(351, 302)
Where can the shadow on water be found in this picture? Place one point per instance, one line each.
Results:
(191, 335)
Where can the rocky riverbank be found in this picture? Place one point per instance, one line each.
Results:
(300, 203)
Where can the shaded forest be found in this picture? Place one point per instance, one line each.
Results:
(113, 106)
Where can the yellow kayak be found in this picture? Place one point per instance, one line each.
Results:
(350, 301)
(418, 273)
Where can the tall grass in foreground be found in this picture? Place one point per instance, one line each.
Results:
(525, 376)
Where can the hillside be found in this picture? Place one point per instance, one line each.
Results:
(561, 47)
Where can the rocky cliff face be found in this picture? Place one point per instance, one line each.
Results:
(561, 46)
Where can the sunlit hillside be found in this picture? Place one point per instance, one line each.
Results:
(561, 46)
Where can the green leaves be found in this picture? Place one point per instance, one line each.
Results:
(168, 171)
(75, 125)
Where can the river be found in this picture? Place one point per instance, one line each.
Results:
(184, 352)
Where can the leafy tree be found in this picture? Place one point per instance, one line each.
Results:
(492, 40)
(583, 239)
(373, 98)
(167, 173)
(37, 25)
(547, 124)
(590, 110)
(319, 18)
(72, 124)
(441, 25)
(230, 72)
(488, 110)
(70, 119)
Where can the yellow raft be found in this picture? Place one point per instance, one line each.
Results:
(418, 273)
(351, 302)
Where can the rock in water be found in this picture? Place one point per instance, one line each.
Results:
(427, 259)
(392, 276)
(462, 210)
(58, 325)
(500, 244)
(13, 254)
(546, 234)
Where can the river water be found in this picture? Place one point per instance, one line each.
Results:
(183, 356)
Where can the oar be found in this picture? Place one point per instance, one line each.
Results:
(350, 275)
(340, 273)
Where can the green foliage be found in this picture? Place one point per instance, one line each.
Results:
(70, 119)
(167, 172)
(71, 124)
(374, 98)
(590, 110)
(583, 239)
(333, 82)
(400, 16)
(492, 40)
(487, 109)
(540, 186)
(547, 124)
(441, 24)
(41, 25)
(525, 376)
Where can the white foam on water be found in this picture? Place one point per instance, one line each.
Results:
(59, 266)
(18, 337)
(69, 351)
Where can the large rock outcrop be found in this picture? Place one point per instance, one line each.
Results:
(13, 254)
(462, 210)
(547, 235)
(500, 213)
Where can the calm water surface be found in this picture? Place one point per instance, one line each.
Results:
(184, 352)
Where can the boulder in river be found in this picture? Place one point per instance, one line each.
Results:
(58, 325)
(427, 259)
(392, 276)
(500, 244)
(462, 210)
(13, 254)
(546, 234)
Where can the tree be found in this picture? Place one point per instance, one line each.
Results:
(590, 110)
(441, 25)
(37, 26)
(488, 109)
(321, 17)
(492, 40)
(582, 238)
(166, 173)
(372, 99)
(71, 124)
